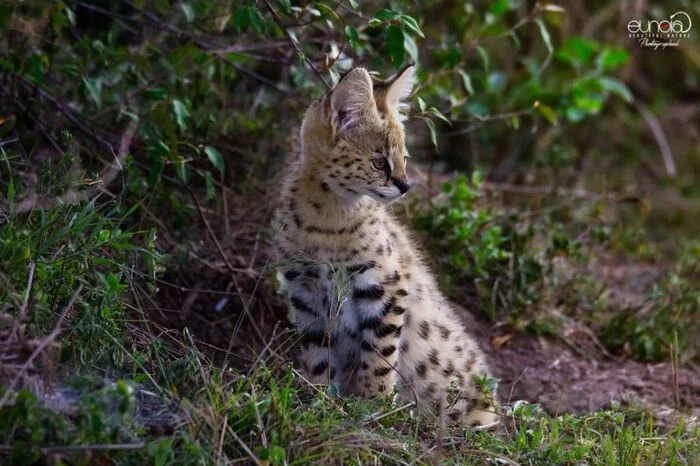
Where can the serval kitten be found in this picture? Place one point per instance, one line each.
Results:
(371, 316)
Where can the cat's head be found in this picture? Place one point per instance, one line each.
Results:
(354, 138)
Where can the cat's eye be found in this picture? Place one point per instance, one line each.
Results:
(379, 163)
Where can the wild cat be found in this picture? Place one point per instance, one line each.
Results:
(371, 316)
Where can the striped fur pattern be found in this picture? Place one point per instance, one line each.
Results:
(371, 318)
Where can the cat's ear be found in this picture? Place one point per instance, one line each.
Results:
(351, 99)
(397, 89)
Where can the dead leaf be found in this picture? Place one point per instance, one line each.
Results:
(499, 341)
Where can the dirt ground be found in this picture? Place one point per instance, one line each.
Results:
(565, 375)
(551, 373)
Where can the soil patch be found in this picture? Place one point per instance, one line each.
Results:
(551, 373)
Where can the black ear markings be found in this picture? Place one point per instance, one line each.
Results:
(351, 98)
(405, 67)
(380, 86)
(341, 117)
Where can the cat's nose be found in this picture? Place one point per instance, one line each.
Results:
(401, 183)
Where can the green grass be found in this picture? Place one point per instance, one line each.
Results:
(512, 263)
(268, 415)
(274, 418)
(77, 282)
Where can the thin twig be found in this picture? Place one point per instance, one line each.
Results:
(245, 447)
(224, 257)
(389, 413)
(512, 386)
(252, 74)
(93, 447)
(660, 137)
(108, 175)
(264, 350)
(37, 121)
(488, 454)
(221, 440)
(7, 142)
(261, 427)
(479, 122)
(75, 119)
(556, 192)
(293, 43)
(674, 372)
(28, 292)
(440, 441)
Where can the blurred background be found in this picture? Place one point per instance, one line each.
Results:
(555, 147)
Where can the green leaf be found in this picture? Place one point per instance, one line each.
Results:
(548, 113)
(467, 81)
(285, 6)
(5, 13)
(11, 182)
(70, 15)
(256, 19)
(515, 121)
(94, 87)
(411, 47)
(477, 109)
(484, 57)
(439, 114)
(591, 103)
(37, 67)
(241, 18)
(499, 7)
(11, 190)
(353, 4)
(516, 40)
(181, 114)
(59, 21)
(215, 157)
(421, 104)
(211, 190)
(335, 77)
(327, 11)
(188, 11)
(155, 170)
(183, 170)
(433, 132)
(160, 149)
(394, 39)
(155, 93)
(352, 36)
(575, 114)
(616, 87)
(277, 455)
(386, 14)
(546, 38)
(611, 58)
(577, 50)
(412, 25)
(374, 22)
(495, 82)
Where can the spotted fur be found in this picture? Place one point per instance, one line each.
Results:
(370, 315)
